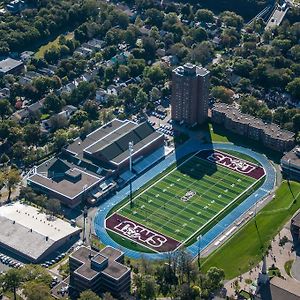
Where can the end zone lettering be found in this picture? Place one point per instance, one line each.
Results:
(140, 234)
(233, 163)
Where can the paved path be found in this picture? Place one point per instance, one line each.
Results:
(278, 256)
(189, 147)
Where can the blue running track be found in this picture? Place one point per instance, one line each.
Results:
(213, 233)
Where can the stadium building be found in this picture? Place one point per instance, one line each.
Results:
(31, 234)
(95, 166)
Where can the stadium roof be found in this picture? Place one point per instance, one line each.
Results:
(26, 230)
(110, 142)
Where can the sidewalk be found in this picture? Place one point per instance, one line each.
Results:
(278, 255)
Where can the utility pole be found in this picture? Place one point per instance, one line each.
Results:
(130, 148)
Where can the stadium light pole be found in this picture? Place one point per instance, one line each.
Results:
(199, 238)
(130, 148)
(199, 250)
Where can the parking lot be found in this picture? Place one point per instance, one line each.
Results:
(7, 262)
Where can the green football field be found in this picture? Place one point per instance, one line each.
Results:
(189, 197)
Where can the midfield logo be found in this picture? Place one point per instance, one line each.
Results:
(231, 163)
(140, 233)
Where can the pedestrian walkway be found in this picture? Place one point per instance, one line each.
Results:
(278, 255)
(187, 148)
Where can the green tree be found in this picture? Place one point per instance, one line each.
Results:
(89, 295)
(12, 280)
(141, 98)
(53, 103)
(294, 88)
(296, 122)
(222, 93)
(4, 159)
(231, 19)
(11, 180)
(155, 17)
(91, 107)
(155, 73)
(204, 15)
(155, 94)
(32, 134)
(123, 72)
(53, 206)
(79, 117)
(199, 35)
(36, 273)
(215, 278)
(36, 291)
(5, 108)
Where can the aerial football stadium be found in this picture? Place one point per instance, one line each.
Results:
(185, 201)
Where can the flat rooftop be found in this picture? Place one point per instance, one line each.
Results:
(270, 129)
(24, 229)
(292, 157)
(191, 70)
(114, 269)
(63, 185)
(9, 64)
(110, 142)
(284, 289)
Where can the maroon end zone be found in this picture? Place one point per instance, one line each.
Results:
(234, 163)
(140, 234)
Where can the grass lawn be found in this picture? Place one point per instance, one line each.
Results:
(288, 266)
(41, 52)
(214, 188)
(245, 246)
(217, 137)
(220, 134)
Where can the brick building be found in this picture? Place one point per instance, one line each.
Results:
(190, 90)
(269, 134)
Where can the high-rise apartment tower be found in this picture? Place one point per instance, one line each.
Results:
(190, 89)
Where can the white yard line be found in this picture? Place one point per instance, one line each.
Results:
(182, 210)
(234, 200)
(210, 220)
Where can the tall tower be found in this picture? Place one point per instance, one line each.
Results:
(190, 89)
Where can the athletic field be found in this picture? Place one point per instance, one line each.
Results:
(178, 205)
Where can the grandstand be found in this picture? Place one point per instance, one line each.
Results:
(90, 163)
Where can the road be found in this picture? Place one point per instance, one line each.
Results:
(277, 17)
